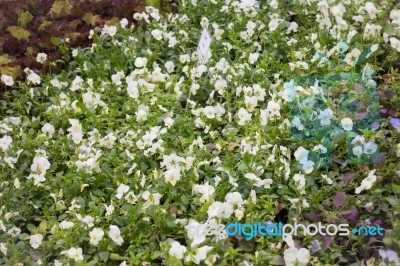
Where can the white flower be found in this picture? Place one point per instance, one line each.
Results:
(3, 249)
(374, 48)
(327, 179)
(251, 102)
(243, 116)
(273, 4)
(308, 166)
(370, 147)
(220, 210)
(184, 58)
(75, 254)
(5, 143)
(76, 84)
(371, 10)
(196, 232)
(157, 34)
(131, 197)
(121, 190)
(123, 22)
(141, 114)
(110, 30)
(395, 43)
(253, 57)
(325, 116)
(296, 122)
(347, 124)
(40, 164)
(14, 120)
(274, 108)
(116, 78)
(15, 231)
(235, 198)
(338, 10)
(320, 148)
(109, 209)
(7, 80)
(36, 240)
(300, 181)
(367, 182)
(2, 226)
(132, 89)
(115, 235)
(169, 122)
(294, 256)
(96, 235)
(352, 57)
(395, 16)
(41, 57)
(32, 77)
(151, 199)
(172, 176)
(209, 112)
(292, 28)
(88, 220)
(177, 250)
(273, 24)
(301, 155)
(206, 190)
(266, 183)
(140, 62)
(170, 66)
(201, 254)
(220, 85)
(66, 225)
(48, 129)
(75, 130)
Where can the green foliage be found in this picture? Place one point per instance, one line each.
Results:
(24, 18)
(19, 33)
(61, 8)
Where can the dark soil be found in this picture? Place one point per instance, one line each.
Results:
(44, 24)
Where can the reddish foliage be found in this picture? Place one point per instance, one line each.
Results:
(24, 53)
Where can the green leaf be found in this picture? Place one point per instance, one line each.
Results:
(104, 256)
(44, 25)
(396, 188)
(154, 3)
(55, 41)
(30, 227)
(43, 226)
(156, 254)
(91, 19)
(115, 256)
(19, 33)
(61, 8)
(24, 18)
(393, 201)
(5, 59)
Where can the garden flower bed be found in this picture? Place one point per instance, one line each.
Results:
(138, 154)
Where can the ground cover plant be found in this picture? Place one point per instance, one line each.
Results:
(136, 153)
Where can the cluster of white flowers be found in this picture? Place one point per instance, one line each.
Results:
(141, 133)
(39, 167)
(367, 182)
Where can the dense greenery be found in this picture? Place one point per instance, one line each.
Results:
(123, 157)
